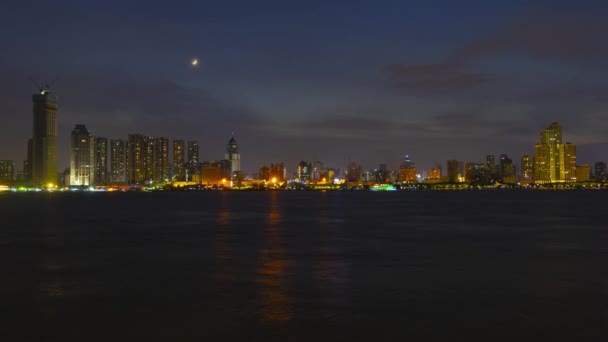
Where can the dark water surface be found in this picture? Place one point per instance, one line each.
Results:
(304, 266)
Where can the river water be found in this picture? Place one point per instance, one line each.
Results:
(304, 266)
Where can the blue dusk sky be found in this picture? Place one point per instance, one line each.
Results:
(334, 81)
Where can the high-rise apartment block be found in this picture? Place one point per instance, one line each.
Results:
(82, 157)
(44, 140)
(101, 161)
(118, 161)
(179, 160)
(161, 159)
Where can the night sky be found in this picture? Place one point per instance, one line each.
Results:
(313, 80)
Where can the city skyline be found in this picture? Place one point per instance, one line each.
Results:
(146, 161)
(324, 79)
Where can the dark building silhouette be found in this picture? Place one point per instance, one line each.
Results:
(44, 140)
(599, 171)
(118, 161)
(101, 161)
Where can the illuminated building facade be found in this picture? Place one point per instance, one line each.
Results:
(583, 172)
(407, 171)
(161, 160)
(179, 161)
(82, 157)
(567, 162)
(118, 161)
(101, 161)
(277, 171)
(548, 155)
(542, 170)
(7, 172)
(232, 154)
(44, 139)
(435, 173)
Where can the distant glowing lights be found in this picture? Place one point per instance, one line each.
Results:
(194, 62)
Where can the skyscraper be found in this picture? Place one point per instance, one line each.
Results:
(567, 162)
(193, 153)
(44, 140)
(192, 166)
(118, 159)
(547, 155)
(161, 159)
(82, 157)
(178, 160)
(542, 171)
(232, 154)
(135, 159)
(148, 157)
(101, 161)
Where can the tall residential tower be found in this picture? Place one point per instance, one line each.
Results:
(44, 140)
(82, 157)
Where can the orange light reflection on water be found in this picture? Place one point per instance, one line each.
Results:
(272, 269)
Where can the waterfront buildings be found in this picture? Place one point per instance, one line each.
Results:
(353, 172)
(550, 157)
(277, 172)
(304, 171)
(135, 159)
(161, 160)
(583, 173)
(118, 161)
(264, 173)
(82, 157)
(599, 171)
(179, 150)
(101, 161)
(44, 140)
(193, 152)
(435, 173)
(507, 169)
(7, 172)
(232, 154)
(567, 162)
(527, 169)
(453, 176)
(407, 171)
